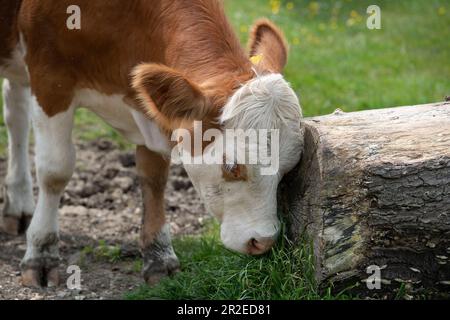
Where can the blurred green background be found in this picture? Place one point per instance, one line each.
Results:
(337, 62)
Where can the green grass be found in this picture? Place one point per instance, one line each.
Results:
(336, 62)
(106, 252)
(209, 271)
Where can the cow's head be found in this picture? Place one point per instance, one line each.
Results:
(241, 195)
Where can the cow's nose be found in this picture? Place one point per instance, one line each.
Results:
(260, 246)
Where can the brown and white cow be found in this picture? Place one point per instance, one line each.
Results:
(147, 67)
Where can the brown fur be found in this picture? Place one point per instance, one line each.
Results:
(174, 101)
(192, 37)
(168, 96)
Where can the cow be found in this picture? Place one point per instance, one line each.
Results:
(147, 68)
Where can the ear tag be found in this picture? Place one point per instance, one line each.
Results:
(257, 59)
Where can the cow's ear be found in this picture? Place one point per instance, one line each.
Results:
(168, 97)
(268, 47)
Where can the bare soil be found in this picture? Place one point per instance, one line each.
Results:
(101, 212)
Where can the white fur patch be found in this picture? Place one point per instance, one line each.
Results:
(266, 102)
(15, 68)
(19, 189)
(55, 162)
(153, 137)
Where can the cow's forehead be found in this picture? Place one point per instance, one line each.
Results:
(265, 102)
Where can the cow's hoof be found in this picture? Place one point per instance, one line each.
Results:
(40, 273)
(40, 278)
(155, 271)
(16, 225)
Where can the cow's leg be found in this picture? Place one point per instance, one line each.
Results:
(18, 189)
(159, 258)
(55, 162)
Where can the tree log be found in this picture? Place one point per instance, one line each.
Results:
(373, 189)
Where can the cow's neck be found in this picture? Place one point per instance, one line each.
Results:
(205, 48)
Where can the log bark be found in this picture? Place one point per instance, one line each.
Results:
(373, 188)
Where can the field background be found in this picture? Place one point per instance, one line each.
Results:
(335, 62)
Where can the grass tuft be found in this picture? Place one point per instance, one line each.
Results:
(212, 272)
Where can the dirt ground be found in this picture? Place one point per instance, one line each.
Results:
(100, 212)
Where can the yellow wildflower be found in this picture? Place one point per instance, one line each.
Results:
(350, 22)
(275, 6)
(354, 14)
(314, 8)
(257, 59)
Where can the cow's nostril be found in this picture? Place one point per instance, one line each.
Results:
(257, 245)
(260, 246)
